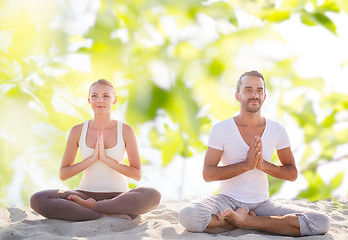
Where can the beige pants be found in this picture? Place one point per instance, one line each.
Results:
(196, 216)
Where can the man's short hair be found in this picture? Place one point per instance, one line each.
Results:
(251, 73)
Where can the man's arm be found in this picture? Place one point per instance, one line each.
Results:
(286, 171)
(213, 172)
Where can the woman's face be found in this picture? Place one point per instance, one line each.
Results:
(101, 98)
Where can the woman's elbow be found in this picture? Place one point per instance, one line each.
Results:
(137, 176)
(62, 175)
(63, 178)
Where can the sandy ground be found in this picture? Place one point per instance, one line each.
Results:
(161, 223)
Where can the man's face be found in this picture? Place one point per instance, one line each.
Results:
(252, 93)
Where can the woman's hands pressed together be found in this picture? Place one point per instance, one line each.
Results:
(100, 147)
(95, 155)
(99, 150)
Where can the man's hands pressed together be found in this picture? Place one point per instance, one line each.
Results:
(254, 156)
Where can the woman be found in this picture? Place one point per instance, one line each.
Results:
(103, 189)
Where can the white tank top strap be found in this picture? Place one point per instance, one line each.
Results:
(83, 134)
(119, 132)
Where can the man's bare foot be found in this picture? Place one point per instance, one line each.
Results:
(252, 213)
(123, 216)
(217, 225)
(89, 203)
(236, 218)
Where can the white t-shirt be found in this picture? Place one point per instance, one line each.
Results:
(251, 186)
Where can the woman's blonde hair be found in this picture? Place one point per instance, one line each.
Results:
(103, 81)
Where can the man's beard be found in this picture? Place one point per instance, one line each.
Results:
(252, 109)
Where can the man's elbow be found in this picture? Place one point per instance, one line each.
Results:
(293, 175)
(206, 176)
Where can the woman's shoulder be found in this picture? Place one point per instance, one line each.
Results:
(76, 130)
(126, 128)
(77, 127)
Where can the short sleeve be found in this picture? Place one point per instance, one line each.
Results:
(283, 138)
(215, 138)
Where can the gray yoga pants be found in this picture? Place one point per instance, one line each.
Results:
(196, 216)
(53, 203)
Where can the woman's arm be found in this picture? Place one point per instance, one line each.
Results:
(67, 168)
(134, 168)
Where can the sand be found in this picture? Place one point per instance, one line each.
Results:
(161, 223)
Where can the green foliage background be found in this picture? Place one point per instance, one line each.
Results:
(43, 89)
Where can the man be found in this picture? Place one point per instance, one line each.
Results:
(245, 144)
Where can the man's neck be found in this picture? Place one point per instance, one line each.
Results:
(249, 119)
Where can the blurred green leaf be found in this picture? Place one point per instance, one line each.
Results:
(274, 184)
(216, 67)
(172, 146)
(329, 5)
(337, 180)
(274, 15)
(315, 18)
(145, 99)
(317, 189)
(329, 120)
(186, 51)
(221, 10)
(292, 3)
(335, 101)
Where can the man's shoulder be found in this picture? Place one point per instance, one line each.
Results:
(274, 124)
(226, 121)
(223, 123)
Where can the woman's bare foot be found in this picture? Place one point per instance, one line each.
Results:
(123, 216)
(89, 203)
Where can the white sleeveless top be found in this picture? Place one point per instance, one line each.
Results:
(99, 177)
